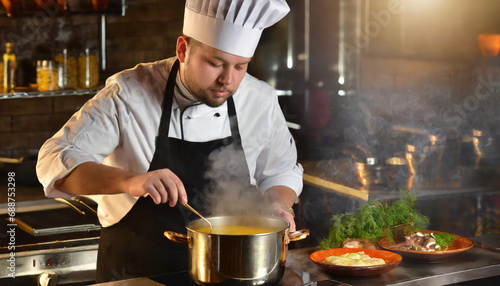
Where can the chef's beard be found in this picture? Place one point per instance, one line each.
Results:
(203, 94)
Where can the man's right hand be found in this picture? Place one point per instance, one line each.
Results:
(162, 185)
(91, 178)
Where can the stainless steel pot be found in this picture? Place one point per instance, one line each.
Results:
(221, 259)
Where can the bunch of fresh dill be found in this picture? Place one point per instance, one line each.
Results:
(444, 239)
(372, 219)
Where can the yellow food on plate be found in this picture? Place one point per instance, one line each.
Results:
(354, 259)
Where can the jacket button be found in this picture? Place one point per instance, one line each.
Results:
(217, 114)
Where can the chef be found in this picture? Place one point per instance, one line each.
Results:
(184, 129)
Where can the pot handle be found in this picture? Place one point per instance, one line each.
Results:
(297, 235)
(176, 237)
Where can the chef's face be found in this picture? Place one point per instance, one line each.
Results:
(211, 75)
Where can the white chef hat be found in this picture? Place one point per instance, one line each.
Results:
(233, 26)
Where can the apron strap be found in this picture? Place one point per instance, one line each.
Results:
(162, 137)
(167, 100)
(233, 120)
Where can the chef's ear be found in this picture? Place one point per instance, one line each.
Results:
(181, 49)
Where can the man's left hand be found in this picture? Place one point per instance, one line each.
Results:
(280, 199)
(285, 212)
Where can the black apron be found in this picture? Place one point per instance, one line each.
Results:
(136, 246)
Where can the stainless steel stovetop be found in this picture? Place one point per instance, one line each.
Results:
(50, 239)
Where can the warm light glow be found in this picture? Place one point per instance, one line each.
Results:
(433, 139)
(489, 44)
(477, 133)
(410, 148)
(410, 181)
(409, 159)
(289, 62)
(477, 149)
(13, 7)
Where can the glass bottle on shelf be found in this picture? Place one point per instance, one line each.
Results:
(46, 75)
(2, 89)
(9, 68)
(67, 69)
(88, 69)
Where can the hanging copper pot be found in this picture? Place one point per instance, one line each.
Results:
(51, 6)
(100, 5)
(489, 44)
(13, 7)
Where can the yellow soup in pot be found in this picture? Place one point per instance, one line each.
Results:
(236, 229)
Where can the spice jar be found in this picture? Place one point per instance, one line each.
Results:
(67, 69)
(46, 75)
(88, 69)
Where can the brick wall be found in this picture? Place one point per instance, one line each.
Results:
(148, 32)
(25, 123)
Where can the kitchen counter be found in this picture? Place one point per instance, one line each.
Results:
(475, 263)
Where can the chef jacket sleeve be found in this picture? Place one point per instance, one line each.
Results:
(277, 164)
(90, 135)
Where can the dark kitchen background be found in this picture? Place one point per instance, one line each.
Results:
(380, 95)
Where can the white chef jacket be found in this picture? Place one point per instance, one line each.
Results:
(118, 127)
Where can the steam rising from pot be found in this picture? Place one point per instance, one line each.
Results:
(230, 192)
